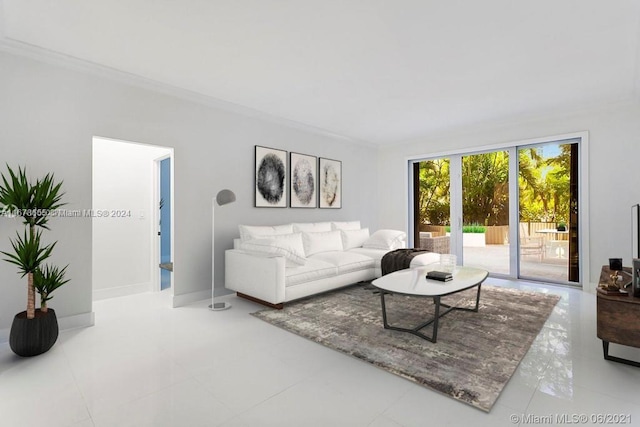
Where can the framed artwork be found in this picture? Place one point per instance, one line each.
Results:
(303, 180)
(271, 178)
(330, 189)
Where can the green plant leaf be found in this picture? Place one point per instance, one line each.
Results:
(33, 202)
(28, 253)
(47, 279)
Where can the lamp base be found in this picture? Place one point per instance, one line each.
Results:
(219, 306)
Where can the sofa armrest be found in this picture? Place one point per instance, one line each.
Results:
(261, 277)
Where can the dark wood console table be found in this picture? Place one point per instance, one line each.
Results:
(618, 318)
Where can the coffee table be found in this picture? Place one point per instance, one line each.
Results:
(413, 282)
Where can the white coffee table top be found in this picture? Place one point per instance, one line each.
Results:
(414, 282)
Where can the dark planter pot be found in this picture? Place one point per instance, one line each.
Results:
(562, 228)
(31, 337)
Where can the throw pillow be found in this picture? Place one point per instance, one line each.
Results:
(249, 232)
(289, 246)
(346, 225)
(321, 242)
(354, 238)
(386, 239)
(311, 227)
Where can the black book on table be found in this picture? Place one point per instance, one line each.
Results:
(439, 275)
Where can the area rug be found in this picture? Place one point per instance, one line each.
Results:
(473, 359)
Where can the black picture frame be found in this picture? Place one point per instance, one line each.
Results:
(303, 181)
(329, 183)
(270, 182)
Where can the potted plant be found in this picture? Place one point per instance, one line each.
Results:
(472, 235)
(562, 226)
(33, 331)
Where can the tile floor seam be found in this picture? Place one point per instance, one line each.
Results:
(75, 381)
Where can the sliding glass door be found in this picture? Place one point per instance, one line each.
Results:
(512, 211)
(548, 211)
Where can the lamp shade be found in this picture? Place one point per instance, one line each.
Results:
(224, 197)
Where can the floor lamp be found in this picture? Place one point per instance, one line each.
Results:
(224, 197)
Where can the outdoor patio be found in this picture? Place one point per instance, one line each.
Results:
(495, 258)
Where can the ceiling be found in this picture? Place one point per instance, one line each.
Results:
(377, 71)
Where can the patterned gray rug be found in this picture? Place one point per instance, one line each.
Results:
(474, 357)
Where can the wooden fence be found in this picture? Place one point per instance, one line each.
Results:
(499, 234)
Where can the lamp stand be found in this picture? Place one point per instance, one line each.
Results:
(224, 197)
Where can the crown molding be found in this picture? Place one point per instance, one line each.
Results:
(37, 53)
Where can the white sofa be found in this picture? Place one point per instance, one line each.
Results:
(277, 264)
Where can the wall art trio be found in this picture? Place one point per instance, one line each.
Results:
(307, 181)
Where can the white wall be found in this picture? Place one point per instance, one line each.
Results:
(48, 117)
(122, 247)
(614, 152)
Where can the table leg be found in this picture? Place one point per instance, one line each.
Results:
(434, 321)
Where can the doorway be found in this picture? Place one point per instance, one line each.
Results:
(125, 200)
(549, 220)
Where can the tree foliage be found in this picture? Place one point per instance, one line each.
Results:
(434, 199)
(485, 188)
(543, 184)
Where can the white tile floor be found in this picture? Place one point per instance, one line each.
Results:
(145, 364)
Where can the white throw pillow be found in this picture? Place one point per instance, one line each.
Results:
(346, 225)
(287, 245)
(311, 227)
(354, 238)
(249, 232)
(386, 239)
(321, 242)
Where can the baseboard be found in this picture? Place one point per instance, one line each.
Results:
(66, 323)
(77, 321)
(121, 291)
(190, 298)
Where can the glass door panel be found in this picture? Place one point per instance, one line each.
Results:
(485, 211)
(548, 218)
(432, 203)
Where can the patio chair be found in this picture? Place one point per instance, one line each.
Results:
(557, 249)
(530, 245)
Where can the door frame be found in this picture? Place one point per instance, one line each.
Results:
(456, 214)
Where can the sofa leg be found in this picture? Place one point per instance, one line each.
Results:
(279, 306)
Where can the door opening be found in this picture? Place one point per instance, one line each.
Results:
(125, 200)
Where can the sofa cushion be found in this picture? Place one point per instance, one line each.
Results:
(375, 254)
(386, 239)
(321, 242)
(287, 245)
(249, 232)
(311, 227)
(354, 238)
(312, 270)
(346, 262)
(346, 225)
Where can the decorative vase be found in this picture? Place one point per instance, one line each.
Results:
(31, 337)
